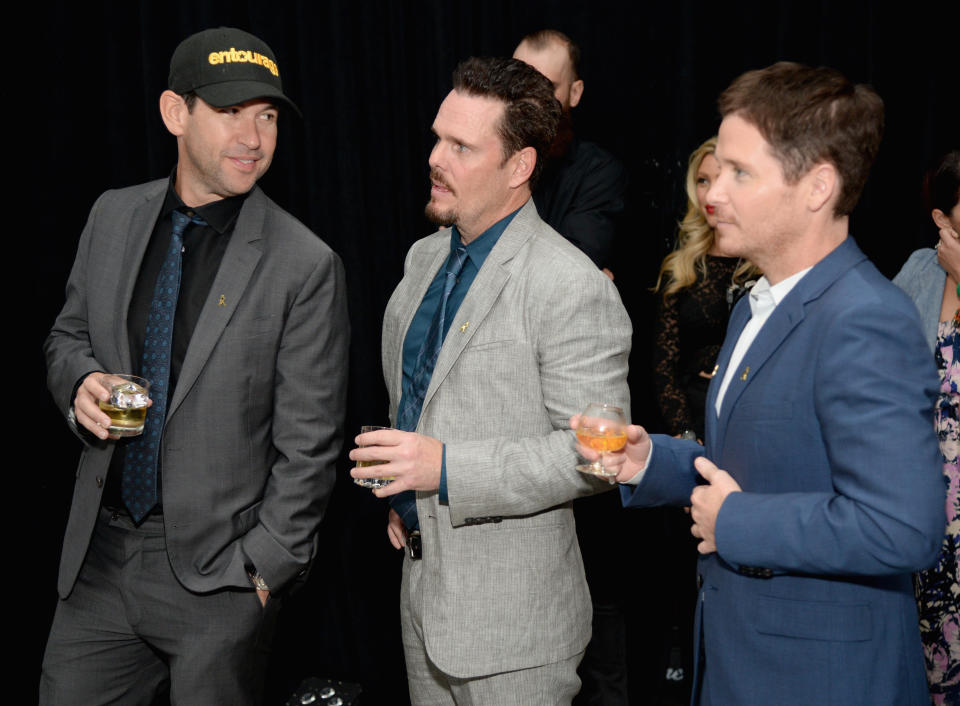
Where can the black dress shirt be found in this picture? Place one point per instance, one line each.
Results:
(581, 195)
(203, 248)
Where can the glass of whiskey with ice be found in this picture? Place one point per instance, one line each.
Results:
(127, 406)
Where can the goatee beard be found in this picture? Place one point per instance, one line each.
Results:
(438, 217)
(433, 213)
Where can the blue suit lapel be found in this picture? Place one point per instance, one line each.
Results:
(788, 314)
(782, 321)
(738, 320)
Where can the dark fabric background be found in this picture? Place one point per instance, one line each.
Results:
(369, 76)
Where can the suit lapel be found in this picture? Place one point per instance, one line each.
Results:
(738, 320)
(143, 219)
(409, 295)
(786, 317)
(483, 293)
(239, 261)
(775, 330)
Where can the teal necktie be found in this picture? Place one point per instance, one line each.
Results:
(405, 503)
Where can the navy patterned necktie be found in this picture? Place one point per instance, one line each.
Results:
(411, 403)
(138, 485)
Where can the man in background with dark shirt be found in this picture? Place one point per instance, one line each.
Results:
(181, 540)
(581, 192)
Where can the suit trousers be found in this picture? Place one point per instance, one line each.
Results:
(129, 628)
(547, 685)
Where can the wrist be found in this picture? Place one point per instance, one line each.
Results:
(257, 580)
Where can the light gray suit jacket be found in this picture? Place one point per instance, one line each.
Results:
(255, 423)
(540, 334)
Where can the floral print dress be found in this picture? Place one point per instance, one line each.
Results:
(938, 589)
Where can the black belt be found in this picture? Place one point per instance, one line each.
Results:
(414, 545)
(157, 511)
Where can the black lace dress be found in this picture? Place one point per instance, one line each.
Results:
(691, 325)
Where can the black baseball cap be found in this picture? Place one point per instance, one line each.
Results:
(226, 66)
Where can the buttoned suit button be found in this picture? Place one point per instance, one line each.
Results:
(99, 482)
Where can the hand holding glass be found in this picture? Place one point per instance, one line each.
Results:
(127, 406)
(372, 483)
(603, 428)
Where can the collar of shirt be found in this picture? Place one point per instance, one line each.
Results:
(480, 247)
(764, 298)
(477, 251)
(219, 214)
(764, 295)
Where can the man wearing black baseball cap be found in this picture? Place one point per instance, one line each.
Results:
(181, 540)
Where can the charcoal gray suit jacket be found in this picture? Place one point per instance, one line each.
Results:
(255, 423)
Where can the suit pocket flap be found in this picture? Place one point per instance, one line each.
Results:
(809, 620)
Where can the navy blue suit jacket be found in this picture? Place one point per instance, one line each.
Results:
(827, 427)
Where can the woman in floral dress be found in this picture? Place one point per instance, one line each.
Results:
(931, 278)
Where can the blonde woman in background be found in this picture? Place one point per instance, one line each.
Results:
(699, 286)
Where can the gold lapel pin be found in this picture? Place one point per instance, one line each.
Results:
(463, 329)
(746, 371)
(223, 300)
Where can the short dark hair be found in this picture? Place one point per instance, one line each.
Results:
(542, 38)
(531, 112)
(809, 115)
(945, 183)
(190, 98)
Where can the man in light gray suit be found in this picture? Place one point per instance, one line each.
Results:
(181, 540)
(498, 329)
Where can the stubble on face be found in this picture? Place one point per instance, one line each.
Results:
(435, 213)
(762, 216)
(222, 154)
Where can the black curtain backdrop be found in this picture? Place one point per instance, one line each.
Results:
(369, 77)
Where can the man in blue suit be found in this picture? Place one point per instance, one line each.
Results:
(819, 414)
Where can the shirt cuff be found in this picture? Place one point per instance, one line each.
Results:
(71, 412)
(443, 477)
(639, 476)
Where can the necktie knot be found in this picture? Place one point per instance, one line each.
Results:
(456, 261)
(181, 220)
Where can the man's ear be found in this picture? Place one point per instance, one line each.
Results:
(524, 162)
(173, 111)
(824, 182)
(576, 92)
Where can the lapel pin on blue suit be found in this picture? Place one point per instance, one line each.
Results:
(745, 373)
(463, 329)
(223, 300)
